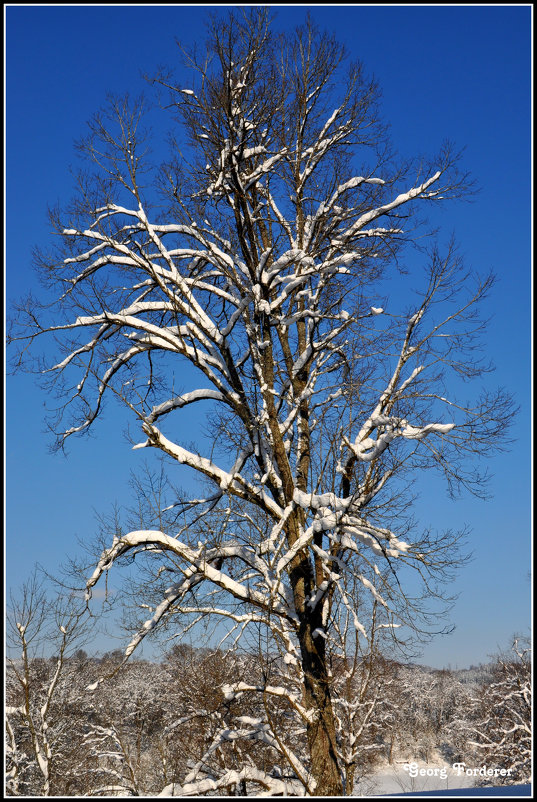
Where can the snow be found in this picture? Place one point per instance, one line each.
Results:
(415, 318)
(401, 199)
(249, 152)
(248, 721)
(289, 659)
(182, 400)
(275, 786)
(436, 775)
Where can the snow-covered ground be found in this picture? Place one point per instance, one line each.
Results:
(436, 775)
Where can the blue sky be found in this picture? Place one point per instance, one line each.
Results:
(447, 72)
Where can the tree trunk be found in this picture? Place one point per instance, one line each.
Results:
(321, 732)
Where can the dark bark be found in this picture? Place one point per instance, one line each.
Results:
(321, 731)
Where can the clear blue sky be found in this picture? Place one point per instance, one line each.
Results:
(451, 72)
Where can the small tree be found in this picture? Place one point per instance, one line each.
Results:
(361, 679)
(125, 732)
(43, 730)
(257, 265)
(501, 733)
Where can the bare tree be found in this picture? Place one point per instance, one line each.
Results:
(257, 266)
(41, 733)
(125, 734)
(361, 677)
(501, 732)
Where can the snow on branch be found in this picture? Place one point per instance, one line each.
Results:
(202, 566)
(182, 400)
(373, 214)
(272, 785)
(367, 449)
(231, 481)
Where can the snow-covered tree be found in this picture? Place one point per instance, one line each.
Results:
(501, 734)
(123, 734)
(361, 680)
(43, 693)
(430, 715)
(258, 265)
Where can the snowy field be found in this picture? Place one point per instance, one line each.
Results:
(395, 779)
(389, 780)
